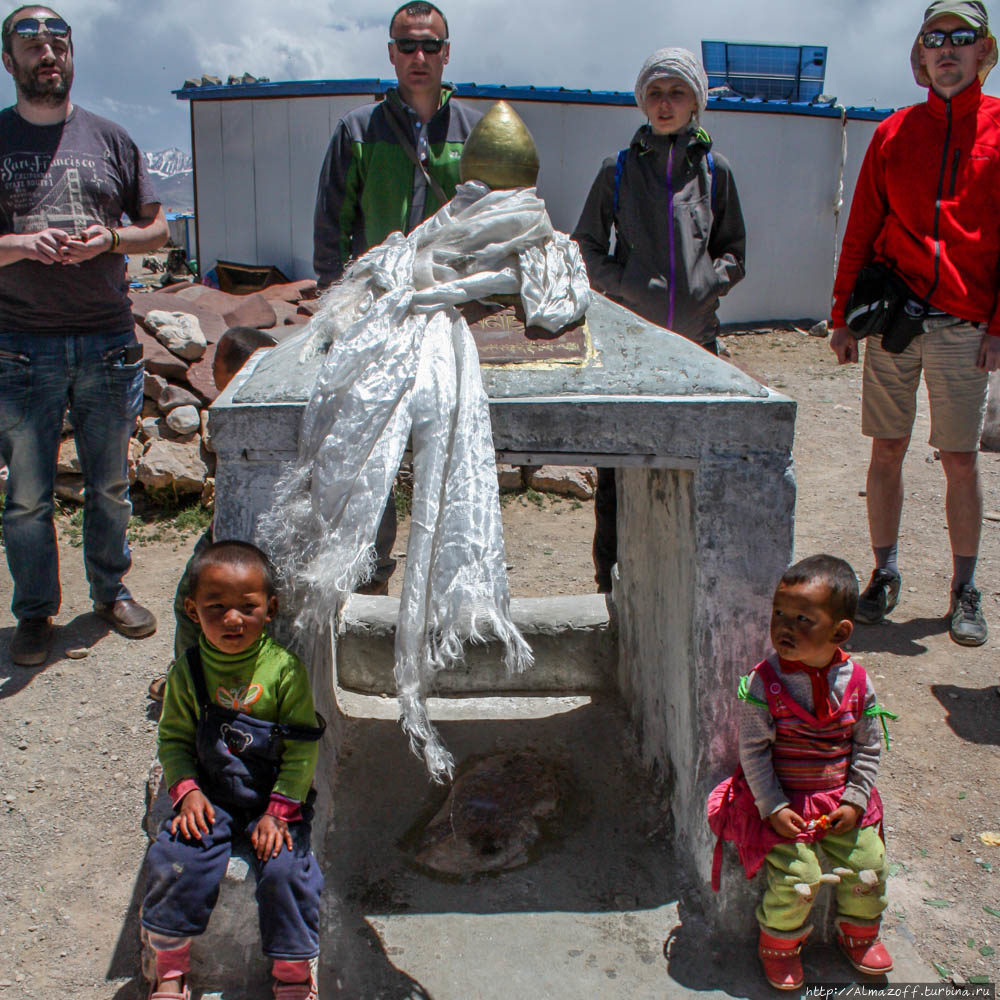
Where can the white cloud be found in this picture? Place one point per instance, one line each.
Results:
(130, 56)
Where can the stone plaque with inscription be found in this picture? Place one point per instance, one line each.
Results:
(502, 337)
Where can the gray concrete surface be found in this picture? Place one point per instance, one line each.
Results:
(573, 647)
(604, 911)
(699, 553)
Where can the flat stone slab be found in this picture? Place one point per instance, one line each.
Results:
(574, 649)
(627, 357)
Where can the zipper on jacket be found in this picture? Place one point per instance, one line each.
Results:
(937, 203)
(670, 231)
(954, 171)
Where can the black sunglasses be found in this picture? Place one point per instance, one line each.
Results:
(431, 46)
(960, 37)
(32, 27)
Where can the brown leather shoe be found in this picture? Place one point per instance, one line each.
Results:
(373, 588)
(30, 645)
(128, 618)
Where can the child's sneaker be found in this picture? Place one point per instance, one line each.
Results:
(306, 990)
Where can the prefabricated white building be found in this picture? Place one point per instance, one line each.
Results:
(258, 149)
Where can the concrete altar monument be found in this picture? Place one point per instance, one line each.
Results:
(706, 505)
(705, 510)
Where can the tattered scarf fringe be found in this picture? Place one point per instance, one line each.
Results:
(400, 360)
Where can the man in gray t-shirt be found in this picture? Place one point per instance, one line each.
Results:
(67, 336)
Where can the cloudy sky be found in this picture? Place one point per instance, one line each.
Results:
(130, 56)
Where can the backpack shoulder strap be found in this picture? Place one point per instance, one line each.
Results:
(404, 141)
(305, 734)
(197, 675)
(619, 170)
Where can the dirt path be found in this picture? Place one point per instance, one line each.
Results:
(76, 738)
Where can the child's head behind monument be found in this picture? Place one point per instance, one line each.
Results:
(813, 609)
(232, 594)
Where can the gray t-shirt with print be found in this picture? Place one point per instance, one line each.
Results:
(83, 171)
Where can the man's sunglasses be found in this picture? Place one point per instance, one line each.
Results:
(431, 46)
(32, 27)
(960, 37)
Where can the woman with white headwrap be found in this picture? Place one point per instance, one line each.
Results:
(679, 237)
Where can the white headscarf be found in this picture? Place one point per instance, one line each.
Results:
(678, 63)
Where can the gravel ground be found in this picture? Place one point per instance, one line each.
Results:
(77, 737)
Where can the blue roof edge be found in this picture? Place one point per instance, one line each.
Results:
(564, 95)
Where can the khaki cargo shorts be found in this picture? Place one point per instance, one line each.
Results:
(956, 388)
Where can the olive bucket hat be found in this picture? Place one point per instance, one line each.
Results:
(974, 14)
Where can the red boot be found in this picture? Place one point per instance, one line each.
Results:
(779, 956)
(859, 941)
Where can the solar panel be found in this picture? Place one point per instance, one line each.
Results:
(772, 72)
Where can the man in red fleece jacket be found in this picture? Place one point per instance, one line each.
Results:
(927, 204)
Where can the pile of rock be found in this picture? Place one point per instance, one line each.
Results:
(179, 328)
(575, 481)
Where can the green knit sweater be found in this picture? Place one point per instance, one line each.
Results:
(265, 681)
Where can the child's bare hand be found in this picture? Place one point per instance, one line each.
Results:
(269, 835)
(844, 818)
(194, 817)
(786, 822)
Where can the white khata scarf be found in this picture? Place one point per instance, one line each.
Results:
(400, 361)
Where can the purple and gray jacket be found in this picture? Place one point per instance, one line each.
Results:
(680, 241)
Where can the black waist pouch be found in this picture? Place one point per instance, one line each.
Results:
(883, 305)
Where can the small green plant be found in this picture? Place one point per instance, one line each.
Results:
(404, 499)
(134, 530)
(533, 496)
(74, 524)
(193, 520)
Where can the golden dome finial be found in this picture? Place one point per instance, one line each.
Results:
(500, 151)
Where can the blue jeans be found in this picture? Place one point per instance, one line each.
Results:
(184, 877)
(40, 375)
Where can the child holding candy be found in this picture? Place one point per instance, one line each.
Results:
(809, 749)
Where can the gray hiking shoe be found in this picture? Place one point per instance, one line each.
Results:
(968, 624)
(879, 598)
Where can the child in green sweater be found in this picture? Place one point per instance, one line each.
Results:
(237, 741)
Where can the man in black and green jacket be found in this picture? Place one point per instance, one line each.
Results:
(370, 185)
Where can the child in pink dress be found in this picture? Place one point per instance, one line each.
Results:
(809, 751)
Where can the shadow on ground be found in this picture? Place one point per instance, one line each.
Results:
(898, 638)
(83, 632)
(973, 713)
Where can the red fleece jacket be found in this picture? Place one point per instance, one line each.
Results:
(927, 203)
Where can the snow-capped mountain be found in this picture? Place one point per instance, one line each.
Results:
(168, 162)
(172, 174)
